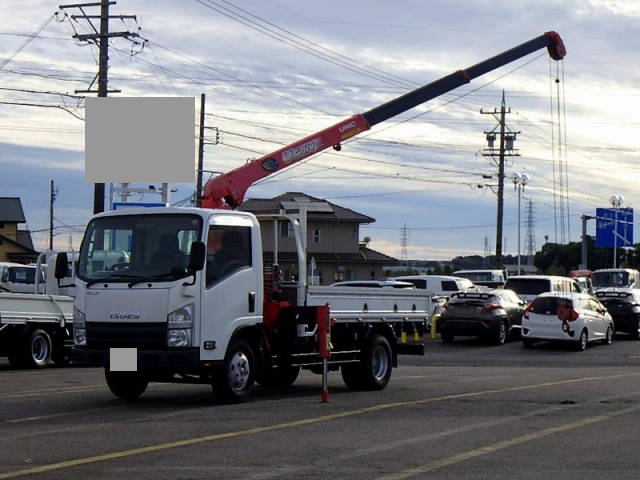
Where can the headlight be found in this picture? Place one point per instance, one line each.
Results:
(79, 328)
(179, 337)
(180, 327)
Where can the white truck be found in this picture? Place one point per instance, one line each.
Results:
(193, 302)
(35, 328)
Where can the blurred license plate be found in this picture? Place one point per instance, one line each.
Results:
(123, 359)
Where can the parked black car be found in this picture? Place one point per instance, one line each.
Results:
(623, 304)
(493, 315)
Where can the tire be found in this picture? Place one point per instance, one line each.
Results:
(38, 349)
(635, 334)
(581, 344)
(234, 382)
(501, 334)
(527, 343)
(283, 376)
(446, 337)
(374, 369)
(608, 338)
(126, 385)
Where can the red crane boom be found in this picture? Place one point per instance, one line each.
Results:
(228, 190)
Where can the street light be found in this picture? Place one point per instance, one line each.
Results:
(519, 182)
(616, 201)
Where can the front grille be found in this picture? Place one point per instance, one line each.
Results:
(140, 335)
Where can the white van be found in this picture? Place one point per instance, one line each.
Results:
(438, 284)
(485, 278)
(615, 277)
(18, 278)
(528, 287)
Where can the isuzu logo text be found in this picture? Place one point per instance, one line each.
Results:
(301, 151)
(347, 126)
(124, 316)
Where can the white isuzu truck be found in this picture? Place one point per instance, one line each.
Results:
(190, 300)
(192, 304)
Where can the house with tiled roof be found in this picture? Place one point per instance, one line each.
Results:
(15, 244)
(334, 248)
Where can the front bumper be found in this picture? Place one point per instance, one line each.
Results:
(179, 358)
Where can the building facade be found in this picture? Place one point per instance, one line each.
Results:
(15, 244)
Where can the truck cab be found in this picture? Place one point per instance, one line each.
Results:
(18, 278)
(153, 299)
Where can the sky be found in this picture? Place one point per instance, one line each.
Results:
(276, 71)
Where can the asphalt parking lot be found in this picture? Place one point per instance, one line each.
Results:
(464, 410)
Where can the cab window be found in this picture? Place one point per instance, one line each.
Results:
(228, 250)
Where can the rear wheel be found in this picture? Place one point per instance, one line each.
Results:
(501, 334)
(581, 344)
(635, 333)
(374, 369)
(446, 337)
(38, 349)
(235, 380)
(126, 385)
(527, 342)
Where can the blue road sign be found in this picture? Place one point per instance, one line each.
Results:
(606, 219)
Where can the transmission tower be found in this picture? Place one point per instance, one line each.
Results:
(530, 238)
(404, 241)
(487, 252)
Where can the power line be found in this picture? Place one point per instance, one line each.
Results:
(293, 42)
(43, 106)
(27, 41)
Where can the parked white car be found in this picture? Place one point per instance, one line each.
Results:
(569, 317)
(437, 284)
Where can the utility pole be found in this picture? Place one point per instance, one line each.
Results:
(200, 154)
(101, 39)
(52, 198)
(507, 137)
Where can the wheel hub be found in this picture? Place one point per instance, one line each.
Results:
(239, 371)
(380, 363)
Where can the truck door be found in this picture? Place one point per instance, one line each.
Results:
(233, 295)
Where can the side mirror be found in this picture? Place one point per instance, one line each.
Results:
(62, 263)
(197, 257)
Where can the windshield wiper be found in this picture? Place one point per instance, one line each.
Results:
(120, 276)
(152, 278)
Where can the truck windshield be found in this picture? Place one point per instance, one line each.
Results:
(130, 248)
(610, 279)
(23, 275)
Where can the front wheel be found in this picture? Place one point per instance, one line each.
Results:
(235, 380)
(608, 338)
(374, 369)
(126, 385)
